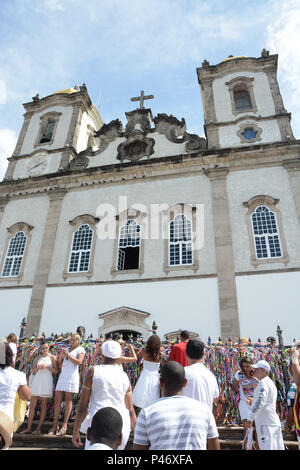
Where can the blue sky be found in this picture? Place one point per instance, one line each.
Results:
(119, 47)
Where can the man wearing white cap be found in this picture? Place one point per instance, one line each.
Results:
(105, 385)
(263, 410)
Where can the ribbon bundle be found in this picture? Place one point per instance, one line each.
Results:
(222, 360)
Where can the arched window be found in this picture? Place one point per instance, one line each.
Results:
(81, 249)
(47, 129)
(241, 91)
(266, 234)
(180, 241)
(14, 255)
(242, 99)
(129, 246)
(47, 132)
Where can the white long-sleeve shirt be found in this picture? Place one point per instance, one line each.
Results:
(263, 409)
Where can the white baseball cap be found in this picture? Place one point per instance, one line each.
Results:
(262, 365)
(111, 349)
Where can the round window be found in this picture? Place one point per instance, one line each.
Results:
(249, 133)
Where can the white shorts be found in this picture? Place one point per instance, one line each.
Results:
(244, 409)
(270, 437)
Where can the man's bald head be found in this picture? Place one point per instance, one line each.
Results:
(172, 378)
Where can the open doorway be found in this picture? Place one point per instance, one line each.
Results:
(126, 334)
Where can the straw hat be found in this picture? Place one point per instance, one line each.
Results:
(6, 428)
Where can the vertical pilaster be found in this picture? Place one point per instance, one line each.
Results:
(3, 203)
(44, 263)
(229, 316)
(293, 169)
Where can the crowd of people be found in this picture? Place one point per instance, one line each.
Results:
(170, 407)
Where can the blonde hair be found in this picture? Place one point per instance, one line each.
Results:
(12, 338)
(75, 336)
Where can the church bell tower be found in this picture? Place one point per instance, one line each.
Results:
(242, 102)
(56, 128)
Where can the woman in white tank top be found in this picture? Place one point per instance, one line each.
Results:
(41, 385)
(105, 385)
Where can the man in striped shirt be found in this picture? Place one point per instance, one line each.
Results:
(175, 422)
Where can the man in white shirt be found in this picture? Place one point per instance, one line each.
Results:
(175, 422)
(202, 385)
(105, 432)
(263, 410)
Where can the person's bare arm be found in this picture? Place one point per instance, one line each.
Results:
(24, 392)
(54, 368)
(296, 367)
(213, 444)
(34, 367)
(129, 406)
(77, 361)
(140, 354)
(128, 359)
(82, 407)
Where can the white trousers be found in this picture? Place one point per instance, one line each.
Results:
(270, 437)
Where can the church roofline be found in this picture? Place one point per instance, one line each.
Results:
(117, 309)
(208, 71)
(38, 104)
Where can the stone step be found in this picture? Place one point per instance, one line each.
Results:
(233, 444)
(225, 432)
(224, 445)
(236, 433)
(231, 438)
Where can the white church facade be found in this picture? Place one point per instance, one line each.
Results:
(114, 227)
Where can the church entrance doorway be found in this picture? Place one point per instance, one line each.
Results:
(125, 320)
(126, 334)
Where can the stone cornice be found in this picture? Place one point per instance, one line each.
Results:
(208, 73)
(255, 156)
(248, 117)
(217, 173)
(292, 165)
(79, 98)
(43, 150)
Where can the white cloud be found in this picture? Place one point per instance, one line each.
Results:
(283, 37)
(8, 139)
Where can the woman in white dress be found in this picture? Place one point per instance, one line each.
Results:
(147, 388)
(68, 382)
(105, 385)
(11, 381)
(245, 383)
(41, 386)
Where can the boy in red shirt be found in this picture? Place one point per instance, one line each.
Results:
(178, 350)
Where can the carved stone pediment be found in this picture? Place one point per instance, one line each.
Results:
(80, 160)
(138, 120)
(169, 125)
(135, 147)
(124, 318)
(175, 131)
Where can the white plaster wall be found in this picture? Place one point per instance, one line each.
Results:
(190, 190)
(162, 148)
(14, 305)
(83, 132)
(181, 304)
(261, 90)
(228, 135)
(60, 133)
(53, 160)
(268, 300)
(242, 186)
(32, 211)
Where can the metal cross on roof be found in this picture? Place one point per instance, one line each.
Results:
(141, 99)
